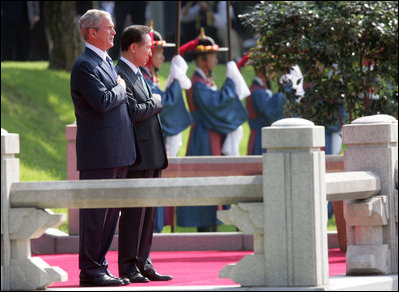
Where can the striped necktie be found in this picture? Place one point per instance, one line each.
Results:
(140, 76)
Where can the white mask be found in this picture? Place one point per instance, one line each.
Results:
(295, 77)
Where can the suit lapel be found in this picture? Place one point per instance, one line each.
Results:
(134, 79)
(102, 64)
(123, 67)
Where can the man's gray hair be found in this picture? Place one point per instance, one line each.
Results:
(91, 19)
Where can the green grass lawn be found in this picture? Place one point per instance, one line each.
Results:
(36, 104)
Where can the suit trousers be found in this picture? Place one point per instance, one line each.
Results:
(136, 227)
(97, 228)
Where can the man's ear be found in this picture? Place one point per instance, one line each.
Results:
(133, 48)
(92, 33)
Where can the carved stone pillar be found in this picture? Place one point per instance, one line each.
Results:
(19, 271)
(295, 205)
(372, 145)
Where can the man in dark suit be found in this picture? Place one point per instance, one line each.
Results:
(105, 141)
(137, 224)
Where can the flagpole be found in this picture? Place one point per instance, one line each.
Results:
(178, 8)
(228, 28)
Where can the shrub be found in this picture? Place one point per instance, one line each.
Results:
(346, 50)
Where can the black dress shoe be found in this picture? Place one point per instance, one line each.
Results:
(154, 276)
(136, 277)
(102, 280)
(125, 281)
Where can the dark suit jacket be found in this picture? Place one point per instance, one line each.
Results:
(105, 134)
(144, 111)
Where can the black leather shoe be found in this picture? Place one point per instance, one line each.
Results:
(154, 276)
(102, 280)
(125, 281)
(136, 277)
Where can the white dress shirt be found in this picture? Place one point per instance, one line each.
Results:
(130, 64)
(103, 55)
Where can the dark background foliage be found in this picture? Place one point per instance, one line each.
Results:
(346, 50)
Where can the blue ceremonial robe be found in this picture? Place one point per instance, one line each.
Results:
(216, 113)
(329, 131)
(264, 109)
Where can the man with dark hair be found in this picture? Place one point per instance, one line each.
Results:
(137, 224)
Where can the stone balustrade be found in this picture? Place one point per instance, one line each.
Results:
(19, 271)
(285, 208)
(368, 188)
(372, 224)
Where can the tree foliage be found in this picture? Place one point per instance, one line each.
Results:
(346, 50)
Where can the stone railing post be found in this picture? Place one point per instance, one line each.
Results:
(9, 174)
(72, 174)
(295, 205)
(19, 271)
(372, 236)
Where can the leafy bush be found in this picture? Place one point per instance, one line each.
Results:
(346, 50)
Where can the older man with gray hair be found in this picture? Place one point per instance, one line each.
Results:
(105, 141)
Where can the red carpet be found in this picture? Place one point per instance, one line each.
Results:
(189, 268)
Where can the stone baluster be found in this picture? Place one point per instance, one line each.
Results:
(372, 236)
(248, 217)
(19, 271)
(295, 205)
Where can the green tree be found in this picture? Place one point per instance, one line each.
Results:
(346, 50)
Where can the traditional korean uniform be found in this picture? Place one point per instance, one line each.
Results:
(264, 108)
(218, 116)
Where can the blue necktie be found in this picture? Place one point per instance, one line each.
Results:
(111, 64)
(143, 82)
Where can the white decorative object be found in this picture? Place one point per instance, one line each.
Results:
(178, 71)
(296, 78)
(234, 74)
